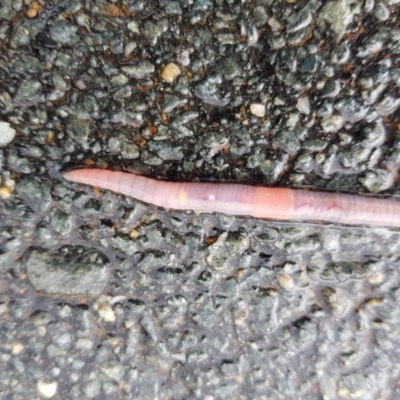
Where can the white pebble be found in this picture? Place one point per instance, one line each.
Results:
(107, 313)
(274, 24)
(17, 348)
(41, 330)
(133, 26)
(7, 133)
(252, 35)
(5, 192)
(285, 281)
(382, 12)
(10, 183)
(332, 123)
(84, 343)
(129, 48)
(292, 120)
(183, 58)
(257, 109)
(170, 72)
(303, 105)
(46, 390)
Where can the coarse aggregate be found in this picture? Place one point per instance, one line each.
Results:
(104, 297)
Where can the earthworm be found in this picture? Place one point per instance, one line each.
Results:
(238, 199)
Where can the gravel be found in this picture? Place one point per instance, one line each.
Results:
(104, 297)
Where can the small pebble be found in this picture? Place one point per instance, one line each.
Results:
(84, 344)
(107, 313)
(183, 58)
(332, 123)
(285, 282)
(303, 105)
(46, 390)
(170, 72)
(274, 24)
(382, 12)
(104, 309)
(133, 26)
(5, 192)
(17, 347)
(7, 133)
(257, 109)
(134, 234)
(33, 9)
(129, 48)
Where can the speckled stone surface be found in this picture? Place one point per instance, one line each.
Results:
(103, 297)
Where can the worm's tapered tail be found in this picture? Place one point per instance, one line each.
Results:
(238, 199)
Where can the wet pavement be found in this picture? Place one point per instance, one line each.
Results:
(104, 297)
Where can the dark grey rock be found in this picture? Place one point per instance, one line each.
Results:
(68, 271)
(64, 33)
(123, 145)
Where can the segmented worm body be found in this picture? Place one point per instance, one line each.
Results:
(236, 199)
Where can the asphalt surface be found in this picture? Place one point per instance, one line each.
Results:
(104, 297)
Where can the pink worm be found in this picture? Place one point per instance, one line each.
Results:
(259, 202)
